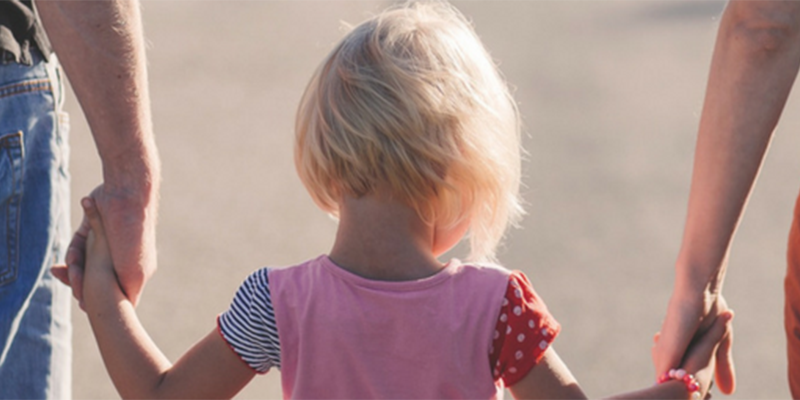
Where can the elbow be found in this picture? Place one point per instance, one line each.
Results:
(762, 28)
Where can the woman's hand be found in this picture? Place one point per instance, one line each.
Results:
(701, 357)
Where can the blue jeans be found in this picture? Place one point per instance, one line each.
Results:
(35, 328)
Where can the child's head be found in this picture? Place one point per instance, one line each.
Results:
(411, 104)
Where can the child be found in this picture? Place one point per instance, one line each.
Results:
(408, 135)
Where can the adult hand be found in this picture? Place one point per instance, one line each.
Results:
(129, 217)
(700, 357)
(689, 319)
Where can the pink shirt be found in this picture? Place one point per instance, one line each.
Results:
(343, 336)
(336, 335)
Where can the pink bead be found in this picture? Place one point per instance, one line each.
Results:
(682, 376)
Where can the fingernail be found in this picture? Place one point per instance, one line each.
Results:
(86, 203)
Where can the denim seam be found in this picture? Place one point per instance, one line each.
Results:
(25, 87)
(9, 144)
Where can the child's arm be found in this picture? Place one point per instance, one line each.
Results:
(136, 366)
(551, 379)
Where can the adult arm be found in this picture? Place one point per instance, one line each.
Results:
(101, 48)
(754, 65)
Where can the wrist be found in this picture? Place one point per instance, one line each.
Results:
(101, 292)
(135, 165)
(132, 177)
(682, 379)
(698, 284)
(698, 271)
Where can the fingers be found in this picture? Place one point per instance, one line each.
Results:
(60, 273)
(76, 252)
(92, 225)
(75, 273)
(72, 275)
(93, 216)
(725, 371)
(706, 345)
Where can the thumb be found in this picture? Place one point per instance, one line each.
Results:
(725, 373)
(706, 345)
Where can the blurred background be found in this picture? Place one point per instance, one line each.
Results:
(610, 93)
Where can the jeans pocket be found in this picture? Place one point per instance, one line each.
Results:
(11, 163)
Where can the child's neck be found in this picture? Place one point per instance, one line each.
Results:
(379, 238)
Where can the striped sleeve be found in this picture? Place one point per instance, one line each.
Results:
(248, 326)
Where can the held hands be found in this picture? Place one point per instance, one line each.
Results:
(700, 359)
(97, 276)
(129, 220)
(689, 321)
(99, 265)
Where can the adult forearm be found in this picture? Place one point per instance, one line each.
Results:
(101, 47)
(754, 65)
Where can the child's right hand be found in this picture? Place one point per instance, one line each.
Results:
(700, 358)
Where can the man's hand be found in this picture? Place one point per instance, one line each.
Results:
(129, 219)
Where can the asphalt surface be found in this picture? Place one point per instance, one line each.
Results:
(610, 94)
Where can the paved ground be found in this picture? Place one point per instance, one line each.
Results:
(610, 93)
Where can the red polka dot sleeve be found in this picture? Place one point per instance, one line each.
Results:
(523, 332)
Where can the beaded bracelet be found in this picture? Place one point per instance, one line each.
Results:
(688, 379)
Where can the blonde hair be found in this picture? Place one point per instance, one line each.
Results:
(410, 101)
